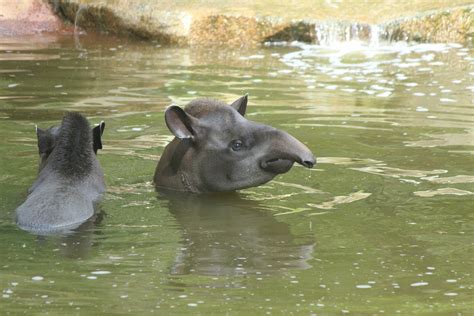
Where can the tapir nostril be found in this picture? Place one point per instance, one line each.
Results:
(309, 163)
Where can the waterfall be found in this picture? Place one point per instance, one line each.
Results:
(374, 36)
(76, 19)
(330, 34)
(76, 32)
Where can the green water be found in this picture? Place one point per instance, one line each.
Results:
(383, 225)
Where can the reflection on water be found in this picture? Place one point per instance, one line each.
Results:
(382, 225)
(231, 235)
(75, 244)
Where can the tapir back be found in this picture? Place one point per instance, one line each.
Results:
(70, 182)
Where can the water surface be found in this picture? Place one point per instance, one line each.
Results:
(382, 225)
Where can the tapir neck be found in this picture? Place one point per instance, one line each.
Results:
(174, 169)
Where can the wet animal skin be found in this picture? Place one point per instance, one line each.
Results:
(216, 149)
(70, 179)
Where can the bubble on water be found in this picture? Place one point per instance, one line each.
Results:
(456, 81)
(451, 280)
(192, 92)
(421, 109)
(192, 304)
(350, 90)
(132, 128)
(447, 100)
(419, 284)
(363, 286)
(407, 65)
(252, 57)
(377, 87)
(183, 296)
(101, 272)
(331, 87)
(13, 85)
(411, 84)
(451, 294)
(428, 57)
(92, 277)
(37, 278)
(384, 94)
(124, 296)
(419, 94)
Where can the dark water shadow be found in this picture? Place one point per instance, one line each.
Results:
(230, 234)
(76, 243)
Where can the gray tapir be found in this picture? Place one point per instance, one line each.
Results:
(70, 178)
(216, 149)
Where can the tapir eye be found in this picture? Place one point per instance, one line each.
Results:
(236, 145)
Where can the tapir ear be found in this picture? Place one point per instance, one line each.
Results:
(240, 104)
(180, 123)
(97, 136)
(45, 141)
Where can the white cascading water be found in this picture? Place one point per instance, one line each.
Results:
(331, 34)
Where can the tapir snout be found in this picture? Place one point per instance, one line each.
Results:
(283, 151)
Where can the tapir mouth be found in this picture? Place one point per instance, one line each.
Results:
(283, 151)
(277, 165)
(282, 165)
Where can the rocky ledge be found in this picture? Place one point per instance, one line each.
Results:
(27, 17)
(253, 23)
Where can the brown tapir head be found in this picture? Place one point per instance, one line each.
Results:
(216, 149)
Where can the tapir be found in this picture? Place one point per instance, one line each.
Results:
(70, 178)
(216, 149)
